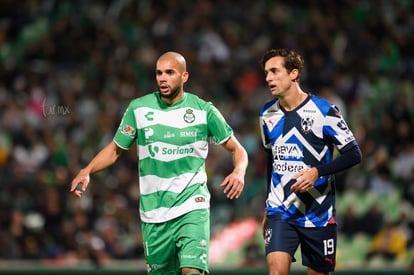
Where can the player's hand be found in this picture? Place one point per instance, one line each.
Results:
(233, 185)
(304, 180)
(80, 183)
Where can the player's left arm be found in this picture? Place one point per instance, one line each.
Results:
(307, 177)
(338, 133)
(234, 183)
(347, 159)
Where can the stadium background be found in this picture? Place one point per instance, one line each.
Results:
(68, 69)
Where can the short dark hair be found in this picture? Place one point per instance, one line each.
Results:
(293, 60)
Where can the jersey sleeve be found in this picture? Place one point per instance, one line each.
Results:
(218, 129)
(127, 130)
(337, 131)
(263, 133)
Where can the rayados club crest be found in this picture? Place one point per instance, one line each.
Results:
(307, 123)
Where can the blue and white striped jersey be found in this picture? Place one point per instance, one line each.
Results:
(300, 139)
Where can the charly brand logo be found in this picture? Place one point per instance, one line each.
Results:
(149, 116)
(54, 109)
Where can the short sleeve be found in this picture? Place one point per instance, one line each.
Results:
(219, 130)
(264, 134)
(126, 133)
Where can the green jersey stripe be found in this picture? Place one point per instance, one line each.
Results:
(173, 136)
(169, 169)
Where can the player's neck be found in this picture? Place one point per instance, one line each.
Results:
(292, 100)
(171, 101)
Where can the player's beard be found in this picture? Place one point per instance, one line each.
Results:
(173, 94)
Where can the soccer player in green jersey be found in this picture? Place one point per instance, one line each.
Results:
(172, 129)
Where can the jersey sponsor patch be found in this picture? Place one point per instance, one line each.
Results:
(149, 132)
(200, 199)
(342, 125)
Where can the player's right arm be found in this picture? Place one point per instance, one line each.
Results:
(106, 157)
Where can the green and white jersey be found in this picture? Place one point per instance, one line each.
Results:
(172, 145)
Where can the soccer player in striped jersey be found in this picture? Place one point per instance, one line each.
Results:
(300, 131)
(172, 129)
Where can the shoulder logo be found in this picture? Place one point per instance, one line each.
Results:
(342, 125)
(307, 123)
(128, 130)
(189, 116)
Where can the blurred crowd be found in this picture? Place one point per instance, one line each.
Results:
(68, 69)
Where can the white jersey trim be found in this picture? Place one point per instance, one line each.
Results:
(164, 118)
